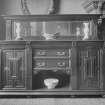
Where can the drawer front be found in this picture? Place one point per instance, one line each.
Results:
(52, 52)
(60, 63)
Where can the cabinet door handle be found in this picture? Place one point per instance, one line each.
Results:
(60, 53)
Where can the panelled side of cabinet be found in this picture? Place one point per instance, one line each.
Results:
(90, 62)
(28, 67)
(0, 70)
(103, 73)
(14, 71)
(74, 73)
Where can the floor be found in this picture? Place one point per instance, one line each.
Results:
(52, 101)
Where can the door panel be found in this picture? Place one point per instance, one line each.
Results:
(14, 69)
(90, 67)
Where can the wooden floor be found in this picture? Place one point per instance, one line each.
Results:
(52, 101)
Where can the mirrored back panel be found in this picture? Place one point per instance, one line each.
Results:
(52, 27)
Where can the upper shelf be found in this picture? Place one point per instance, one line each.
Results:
(53, 17)
(53, 27)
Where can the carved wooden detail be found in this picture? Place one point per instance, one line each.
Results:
(14, 68)
(90, 67)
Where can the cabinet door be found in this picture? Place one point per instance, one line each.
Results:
(14, 71)
(90, 62)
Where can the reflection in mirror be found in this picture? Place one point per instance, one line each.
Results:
(51, 30)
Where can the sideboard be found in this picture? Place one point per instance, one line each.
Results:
(70, 48)
(79, 66)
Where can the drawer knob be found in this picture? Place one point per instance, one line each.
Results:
(60, 53)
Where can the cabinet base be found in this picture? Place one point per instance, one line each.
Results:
(53, 93)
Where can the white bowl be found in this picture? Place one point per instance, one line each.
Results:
(48, 36)
(51, 83)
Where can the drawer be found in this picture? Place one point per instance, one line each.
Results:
(52, 52)
(40, 63)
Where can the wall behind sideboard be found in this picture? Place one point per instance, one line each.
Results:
(12, 7)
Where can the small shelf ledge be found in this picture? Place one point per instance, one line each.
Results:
(51, 57)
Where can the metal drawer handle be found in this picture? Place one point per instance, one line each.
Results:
(60, 53)
(14, 76)
(42, 53)
(61, 64)
(40, 64)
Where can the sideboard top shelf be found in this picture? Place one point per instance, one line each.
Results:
(50, 41)
(61, 17)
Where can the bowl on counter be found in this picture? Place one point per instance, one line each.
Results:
(48, 36)
(51, 83)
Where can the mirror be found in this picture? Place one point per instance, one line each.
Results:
(54, 29)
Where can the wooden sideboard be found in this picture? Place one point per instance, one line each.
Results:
(79, 66)
(70, 48)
